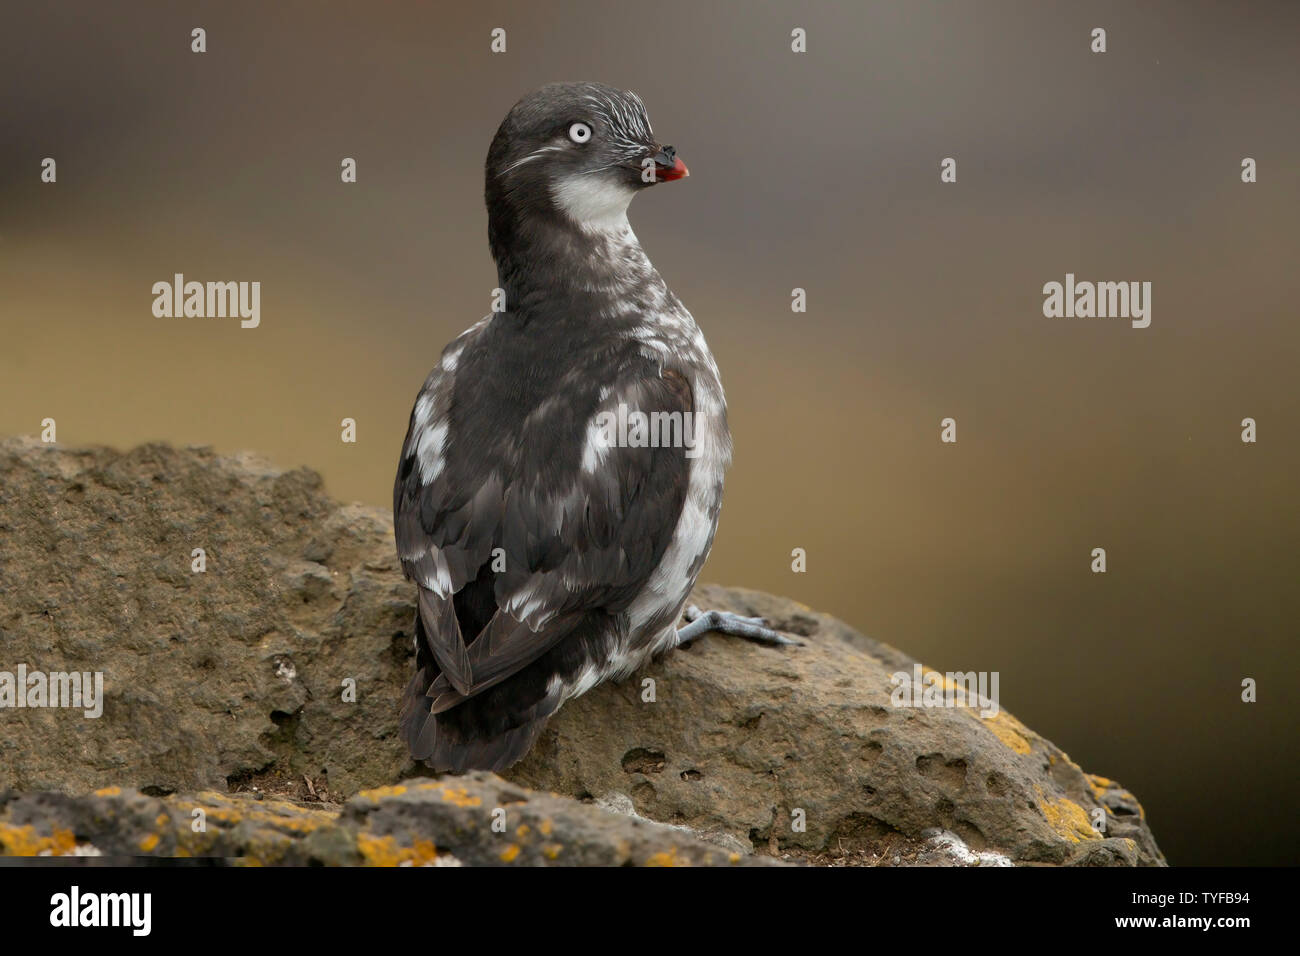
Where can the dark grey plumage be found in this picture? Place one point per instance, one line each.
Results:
(547, 561)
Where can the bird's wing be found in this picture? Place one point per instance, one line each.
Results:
(569, 524)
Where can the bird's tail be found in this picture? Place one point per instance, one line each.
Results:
(489, 731)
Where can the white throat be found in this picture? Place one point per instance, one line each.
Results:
(594, 203)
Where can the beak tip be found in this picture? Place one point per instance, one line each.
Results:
(677, 170)
(668, 165)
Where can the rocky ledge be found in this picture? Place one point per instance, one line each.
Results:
(253, 637)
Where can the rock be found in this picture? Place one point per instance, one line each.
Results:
(279, 667)
(418, 823)
(211, 679)
(743, 740)
(945, 848)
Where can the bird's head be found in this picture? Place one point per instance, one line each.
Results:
(575, 153)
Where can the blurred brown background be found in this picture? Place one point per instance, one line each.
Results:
(818, 170)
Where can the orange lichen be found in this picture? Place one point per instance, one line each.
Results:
(379, 793)
(1098, 784)
(25, 841)
(385, 851)
(460, 797)
(665, 859)
(1067, 818)
(1007, 729)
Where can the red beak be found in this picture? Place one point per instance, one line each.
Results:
(668, 167)
(667, 174)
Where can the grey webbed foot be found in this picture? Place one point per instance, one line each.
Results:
(725, 622)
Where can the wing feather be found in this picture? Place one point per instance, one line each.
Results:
(442, 634)
(512, 476)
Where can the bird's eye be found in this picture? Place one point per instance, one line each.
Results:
(579, 132)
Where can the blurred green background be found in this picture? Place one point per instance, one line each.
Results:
(818, 170)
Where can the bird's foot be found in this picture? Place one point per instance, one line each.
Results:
(725, 622)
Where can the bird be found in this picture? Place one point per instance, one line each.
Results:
(553, 537)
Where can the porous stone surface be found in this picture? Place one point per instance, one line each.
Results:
(277, 669)
(475, 820)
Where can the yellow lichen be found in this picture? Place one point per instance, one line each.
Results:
(509, 853)
(273, 813)
(379, 793)
(1007, 729)
(423, 851)
(276, 821)
(192, 843)
(385, 851)
(460, 797)
(664, 859)
(551, 850)
(25, 841)
(1067, 818)
(149, 842)
(1098, 784)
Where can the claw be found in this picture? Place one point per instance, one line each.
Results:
(725, 622)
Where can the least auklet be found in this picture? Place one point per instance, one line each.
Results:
(561, 478)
